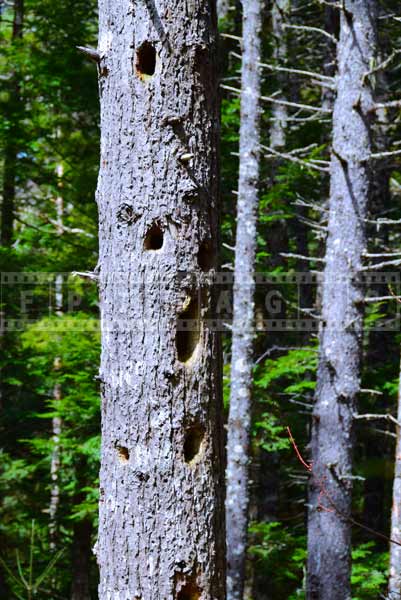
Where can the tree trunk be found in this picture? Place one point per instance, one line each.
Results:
(161, 522)
(280, 13)
(338, 379)
(394, 583)
(239, 421)
(56, 421)
(223, 6)
(10, 151)
(81, 552)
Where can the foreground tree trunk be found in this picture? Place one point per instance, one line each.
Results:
(239, 421)
(161, 522)
(394, 582)
(338, 380)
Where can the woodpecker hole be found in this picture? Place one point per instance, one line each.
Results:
(190, 591)
(123, 454)
(145, 60)
(193, 441)
(187, 336)
(154, 238)
(205, 256)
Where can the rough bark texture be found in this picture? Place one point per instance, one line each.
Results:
(161, 522)
(239, 421)
(394, 582)
(280, 13)
(81, 552)
(338, 381)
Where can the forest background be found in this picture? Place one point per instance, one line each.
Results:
(49, 392)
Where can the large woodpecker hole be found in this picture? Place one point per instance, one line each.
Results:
(154, 238)
(205, 256)
(193, 441)
(189, 592)
(145, 60)
(187, 336)
(123, 454)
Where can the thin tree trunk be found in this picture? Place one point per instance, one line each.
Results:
(338, 380)
(56, 421)
(239, 421)
(223, 6)
(10, 151)
(280, 14)
(81, 553)
(161, 522)
(394, 583)
(331, 25)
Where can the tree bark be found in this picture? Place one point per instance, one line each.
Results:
(338, 379)
(81, 553)
(161, 521)
(394, 583)
(239, 421)
(280, 13)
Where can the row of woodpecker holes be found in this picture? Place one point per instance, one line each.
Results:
(192, 445)
(154, 240)
(186, 341)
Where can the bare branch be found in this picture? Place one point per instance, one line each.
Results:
(373, 417)
(376, 155)
(90, 53)
(301, 257)
(382, 265)
(328, 35)
(383, 64)
(299, 161)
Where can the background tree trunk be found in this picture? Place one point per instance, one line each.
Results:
(12, 111)
(161, 523)
(239, 420)
(394, 582)
(280, 14)
(81, 553)
(338, 380)
(223, 6)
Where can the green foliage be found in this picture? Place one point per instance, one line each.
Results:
(369, 572)
(277, 550)
(28, 583)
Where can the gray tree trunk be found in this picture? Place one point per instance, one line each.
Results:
(161, 522)
(56, 421)
(338, 380)
(239, 421)
(394, 582)
(280, 14)
(223, 6)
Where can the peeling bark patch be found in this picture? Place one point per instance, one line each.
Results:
(189, 592)
(123, 454)
(193, 441)
(154, 238)
(205, 256)
(187, 336)
(145, 64)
